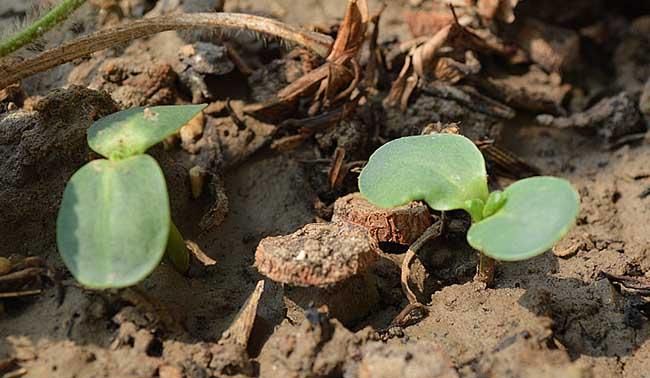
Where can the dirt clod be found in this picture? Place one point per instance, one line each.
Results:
(582, 65)
(402, 225)
(417, 359)
(39, 151)
(552, 47)
(610, 118)
(319, 255)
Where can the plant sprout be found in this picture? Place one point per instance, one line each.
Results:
(448, 172)
(114, 223)
(39, 27)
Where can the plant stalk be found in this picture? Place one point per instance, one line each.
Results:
(432, 232)
(176, 251)
(486, 269)
(28, 35)
(11, 72)
(486, 265)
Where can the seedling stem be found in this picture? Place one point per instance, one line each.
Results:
(28, 35)
(176, 251)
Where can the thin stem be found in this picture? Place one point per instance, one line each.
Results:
(430, 233)
(176, 251)
(486, 269)
(11, 72)
(486, 265)
(28, 35)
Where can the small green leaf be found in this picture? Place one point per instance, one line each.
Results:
(475, 208)
(495, 201)
(132, 131)
(444, 170)
(114, 221)
(538, 212)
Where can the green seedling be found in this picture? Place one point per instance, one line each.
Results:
(33, 31)
(114, 224)
(448, 173)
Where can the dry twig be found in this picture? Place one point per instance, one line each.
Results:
(432, 232)
(12, 71)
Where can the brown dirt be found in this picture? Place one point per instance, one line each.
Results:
(552, 316)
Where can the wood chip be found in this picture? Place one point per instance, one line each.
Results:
(240, 330)
(337, 171)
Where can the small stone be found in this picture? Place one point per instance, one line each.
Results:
(97, 309)
(168, 371)
(418, 359)
(552, 47)
(142, 340)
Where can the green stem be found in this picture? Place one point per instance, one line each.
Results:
(486, 265)
(176, 251)
(475, 209)
(55, 16)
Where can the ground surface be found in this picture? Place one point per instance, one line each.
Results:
(552, 316)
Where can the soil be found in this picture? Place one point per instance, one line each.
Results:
(554, 315)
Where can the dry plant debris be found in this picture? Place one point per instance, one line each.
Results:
(14, 70)
(491, 67)
(334, 82)
(24, 276)
(610, 118)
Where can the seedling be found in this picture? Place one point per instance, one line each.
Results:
(114, 223)
(448, 172)
(32, 32)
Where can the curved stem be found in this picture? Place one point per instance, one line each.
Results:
(12, 72)
(176, 251)
(55, 16)
(430, 233)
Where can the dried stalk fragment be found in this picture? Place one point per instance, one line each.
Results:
(431, 233)
(13, 71)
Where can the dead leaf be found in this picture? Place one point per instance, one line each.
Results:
(641, 284)
(198, 253)
(333, 81)
(428, 23)
(352, 32)
(505, 163)
(337, 171)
